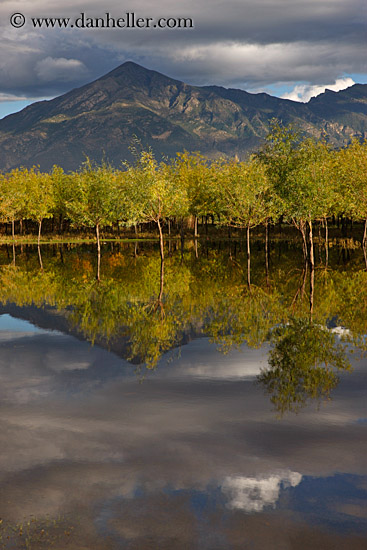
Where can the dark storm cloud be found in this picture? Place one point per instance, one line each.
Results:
(238, 43)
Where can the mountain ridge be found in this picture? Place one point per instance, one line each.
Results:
(100, 119)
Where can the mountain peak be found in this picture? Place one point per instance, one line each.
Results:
(101, 118)
(130, 71)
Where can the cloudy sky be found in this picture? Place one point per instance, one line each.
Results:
(290, 49)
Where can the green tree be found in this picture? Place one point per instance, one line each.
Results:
(91, 199)
(12, 197)
(156, 195)
(350, 170)
(282, 158)
(245, 197)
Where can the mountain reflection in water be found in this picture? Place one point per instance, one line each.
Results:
(151, 438)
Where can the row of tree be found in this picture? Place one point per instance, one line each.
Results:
(293, 179)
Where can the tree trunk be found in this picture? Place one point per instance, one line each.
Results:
(12, 230)
(196, 227)
(302, 229)
(312, 260)
(98, 276)
(161, 247)
(39, 232)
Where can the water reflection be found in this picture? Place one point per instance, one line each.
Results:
(302, 364)
(144, 306)
(194, 457)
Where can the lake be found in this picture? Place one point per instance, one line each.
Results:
(176, 407)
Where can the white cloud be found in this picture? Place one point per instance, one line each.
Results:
(304, 92)
(59, 69)
(253, 494)
(11, 97)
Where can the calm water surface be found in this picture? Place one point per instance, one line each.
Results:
(158, 410)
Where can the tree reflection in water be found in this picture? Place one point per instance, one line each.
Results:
(302, 364)
(143, 307)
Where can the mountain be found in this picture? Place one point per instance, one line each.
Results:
(101, 119)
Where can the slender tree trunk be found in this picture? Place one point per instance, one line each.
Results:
(12, 230)
(161, 247)
(39, 232)
(312, 259)
(248, 257)
(169, 227)
(98, 277)
(20, 227)
(14, 254)
(196, 227)
(302, 228)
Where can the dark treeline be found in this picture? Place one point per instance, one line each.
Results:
(294, 180)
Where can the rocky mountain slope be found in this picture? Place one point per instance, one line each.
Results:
(101, 119)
